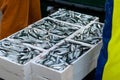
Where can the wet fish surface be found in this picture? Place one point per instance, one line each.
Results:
(63, 56)
(17, 52)
(73, 17)
(91, 35)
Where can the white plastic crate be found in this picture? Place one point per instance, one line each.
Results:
(62, 13)
(70, 73)
(41, 72)
(12, 70)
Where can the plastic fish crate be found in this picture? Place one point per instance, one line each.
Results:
(69, 16)
(50, 32)
(11, 70)
(41, 72)
(78, 69)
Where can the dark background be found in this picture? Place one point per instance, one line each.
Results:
(91, 7)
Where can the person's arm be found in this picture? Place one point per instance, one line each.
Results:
(18, 14)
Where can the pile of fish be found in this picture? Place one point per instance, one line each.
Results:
(56, 27)
(64, 55)
(73, 17)
(91, 35)
(45, 34)
(17, 52)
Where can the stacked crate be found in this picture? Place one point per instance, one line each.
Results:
(66, 46)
